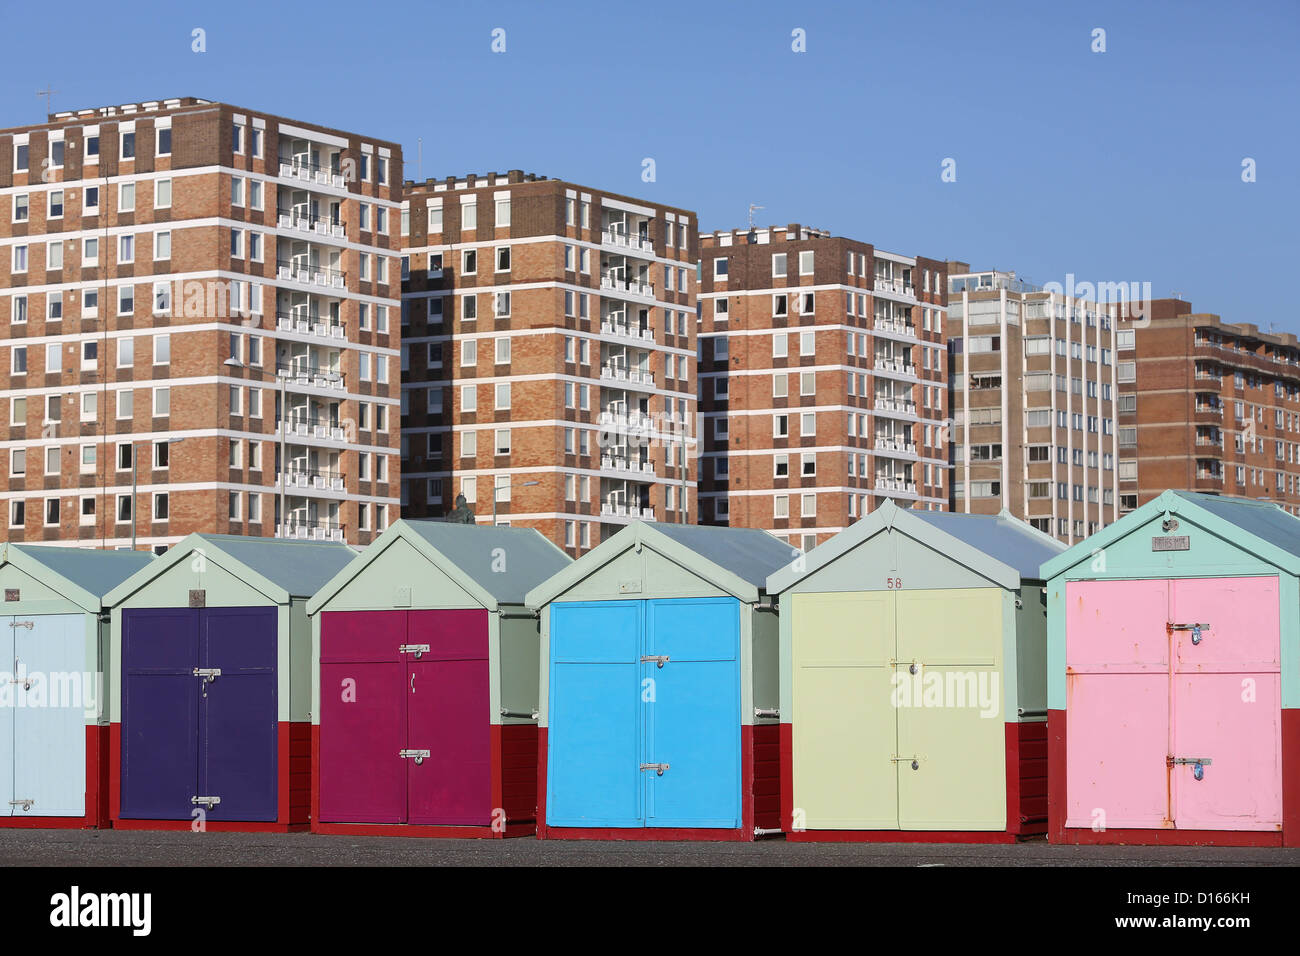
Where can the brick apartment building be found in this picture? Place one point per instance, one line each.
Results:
(549, 355)
(168, 268)
(823, 381)
(1207, 405)
(1033, 400)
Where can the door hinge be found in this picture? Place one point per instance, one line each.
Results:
(25, 804)
(658, 768)
(417, 755)
(27, 624)
(206, 802)
(659, 660)
(416, 649)
(1196, 630)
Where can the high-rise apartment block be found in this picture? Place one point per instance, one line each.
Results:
(823, 381)
(549, 359)
(1033, 403)
(169, 271)
(1207, 405)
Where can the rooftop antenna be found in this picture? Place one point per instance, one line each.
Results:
(752, 237)
(48, 93)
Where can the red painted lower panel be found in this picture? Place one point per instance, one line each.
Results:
(1056, 776)
(518, 761)
(1027, 756)
(293, 766)
(1291, 776)
(1154, 837)
(787, 777)
(96, 792)
(767, 776)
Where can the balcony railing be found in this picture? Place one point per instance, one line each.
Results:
(312, 426)
(317, 480)
(612, 283)
(313, 375)
(901, 405)
(616, 510)
(895, 445)
(894, 365)
(307, 325)
(895, 485)
(294, 271)
(629, 376)
(616, 463)
(310, 531)
(894, 326)
(629, 421)
(627, 331)
(324, 226)
(896, 286)
(311, 173)
(625, 240)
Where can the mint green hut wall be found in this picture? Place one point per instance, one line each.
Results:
(54, 597)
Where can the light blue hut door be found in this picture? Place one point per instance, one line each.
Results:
(49, 775)
(8, 695)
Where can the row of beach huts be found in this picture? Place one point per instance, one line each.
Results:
(923, 676)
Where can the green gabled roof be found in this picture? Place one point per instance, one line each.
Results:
(735, 560)
(280, 569)
(1259, 527)
(468, 554)
(1000, 547)
(82, 575)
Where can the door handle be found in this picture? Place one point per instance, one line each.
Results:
(416, 755)
(915, 761)
(658, 768)
(412, 682)
(658, 659)
(417, 649)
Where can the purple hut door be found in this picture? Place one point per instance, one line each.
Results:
(448, 715)
(363, 691)
(238, 723)
(160, 713)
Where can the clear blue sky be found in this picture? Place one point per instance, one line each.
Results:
(1123, 165)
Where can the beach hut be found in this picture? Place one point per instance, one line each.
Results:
(659, 687)
(1174, 677)
(913, 691)
(210, 712)
(53, 717)
(425, 659)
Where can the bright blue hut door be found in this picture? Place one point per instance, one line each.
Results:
(644, 727)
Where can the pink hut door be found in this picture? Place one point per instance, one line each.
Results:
(1117, 704)
(448, 714)
(363, 717)
(1226, 745)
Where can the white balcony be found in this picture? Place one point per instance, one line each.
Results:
(624, 330)
(895, 445)
(624, 242)
(631, 377)
(632, 421)
(312, 378)
(894, 287)
(894, 327)
(899, 406)
(306, 226)
(308, 531)
(306, 325)
(628, 287)
(897, 366)
(306, 273)
(629, 512)
(311, 175)
(895, 485)
(626, 466)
